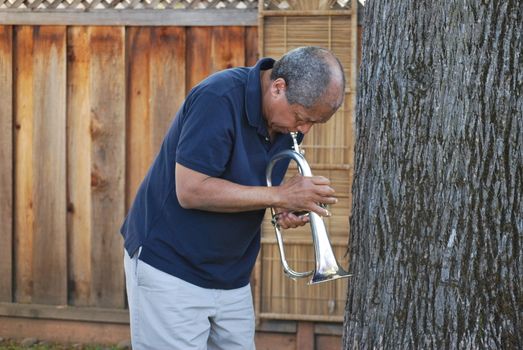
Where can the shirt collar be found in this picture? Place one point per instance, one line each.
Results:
(253, 96)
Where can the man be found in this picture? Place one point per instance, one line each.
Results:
(193, 232)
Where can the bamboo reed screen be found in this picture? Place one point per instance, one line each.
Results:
(284, 25)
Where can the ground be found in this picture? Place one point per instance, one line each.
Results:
(32, 343)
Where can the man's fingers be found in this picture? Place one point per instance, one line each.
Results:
(321, 211)
(326, 199)
(320, 180)
(290, 220)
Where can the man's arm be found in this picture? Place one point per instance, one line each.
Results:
(199, 191)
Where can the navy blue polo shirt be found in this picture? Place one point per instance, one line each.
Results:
(218, 131)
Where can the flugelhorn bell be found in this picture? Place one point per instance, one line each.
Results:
(326, 266)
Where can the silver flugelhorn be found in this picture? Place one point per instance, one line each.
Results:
(326, 266)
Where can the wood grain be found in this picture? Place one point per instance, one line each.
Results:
(6, 162)
(227, 47)
(24, 216)
(139, 118)
(40, 222)
(79, 143)
(49, 181)
(156, 89)
(107, 93)
(198, 55)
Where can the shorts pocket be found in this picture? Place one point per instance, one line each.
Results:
(155, 280)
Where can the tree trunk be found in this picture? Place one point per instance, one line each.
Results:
(437, 223)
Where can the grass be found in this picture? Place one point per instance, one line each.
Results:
(16, 345)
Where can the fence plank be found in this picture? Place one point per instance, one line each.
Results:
(305, 336)
(139, 153)
(212, 49)
(40, 165)
(24, 212)
(79, 166)
(198, 55)
(228, 47)
(6, 161)
(107, 92)
(156, 89)
(167, 78)
(134, 17)
(50, 262)
(251, 46)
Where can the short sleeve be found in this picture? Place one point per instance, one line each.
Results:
(206, 136)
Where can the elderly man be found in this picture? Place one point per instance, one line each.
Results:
(193, 232)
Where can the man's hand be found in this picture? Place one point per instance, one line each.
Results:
(302, 193)
(286, 219)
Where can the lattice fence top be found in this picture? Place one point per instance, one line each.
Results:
(307, 4)
(126, 4)
(169, 4)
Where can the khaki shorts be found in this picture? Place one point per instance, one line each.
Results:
(169, 313)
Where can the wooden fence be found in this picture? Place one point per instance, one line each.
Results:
(83, 110)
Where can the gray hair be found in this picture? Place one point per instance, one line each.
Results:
(307, 73)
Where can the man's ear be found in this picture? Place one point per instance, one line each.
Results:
(278, 86)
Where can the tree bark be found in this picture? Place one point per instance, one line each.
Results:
(437, 223)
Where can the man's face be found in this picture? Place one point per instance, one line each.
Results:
(284, 117)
